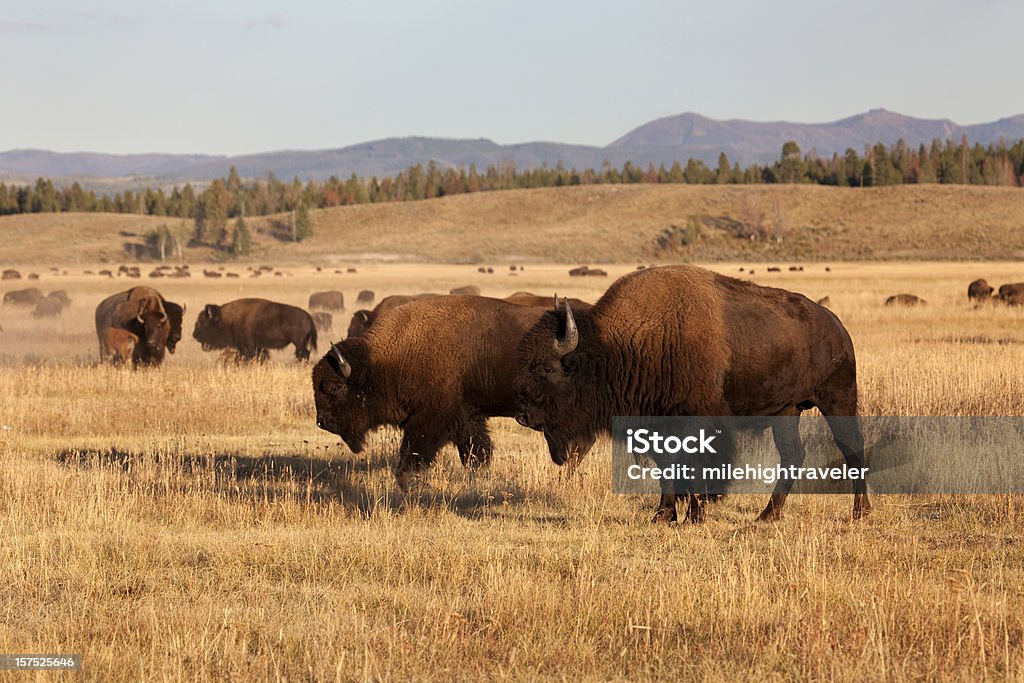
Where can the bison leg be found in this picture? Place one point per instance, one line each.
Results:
(786, 433)
(419, 448)
(846, 433)
(475, 445)
(666, 510)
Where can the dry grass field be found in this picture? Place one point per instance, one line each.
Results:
(192, 522)
(603, 223)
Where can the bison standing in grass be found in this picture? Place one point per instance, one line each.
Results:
(23, 297)
(1012, 295)
(979, 291)
(138, 297)
(117, 346)
(436, 367)
(252, 326)
(144, 317)
(905, 300)
(681, 340)
(328, 301)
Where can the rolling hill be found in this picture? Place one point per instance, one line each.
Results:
(593, 224)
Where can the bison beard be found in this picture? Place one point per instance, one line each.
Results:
(681, 340)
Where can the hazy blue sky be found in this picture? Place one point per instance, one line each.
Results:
(254, 75)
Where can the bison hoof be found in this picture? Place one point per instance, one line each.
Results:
(664, 516)
(770, 514)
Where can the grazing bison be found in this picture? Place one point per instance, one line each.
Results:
(328, 301)
(979, 291)
(365, 297)
(1012, 294)
(48, 307)
(436, 367)
(11, 274)
(144, 316)
(23, 297)
(905, 300)
(362, 320)
(117, 345)
(582, 271)
(681, 340)
(323, 321)
(61, 296)
(252, 326)
(466, 290)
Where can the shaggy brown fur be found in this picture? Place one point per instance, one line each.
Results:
(117, 345)
(362, 320)
(979, 291)
(140, 311)
(436, 367)
(680, 340)
(1012, 294)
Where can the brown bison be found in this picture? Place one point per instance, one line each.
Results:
(328, 301)
(436, 367)
(365, 297)
(117, 345)
(583, 271)
(175, 312)
(23, 297)
(11, 274)
(144, 316)
(1012, 294)
(681, 340)
(530, 299)
(362, 320)
(252, 326)
(323, 321)
(905, 300)
(61, 296)
(979, 291)
(466, 290)
(48, 307)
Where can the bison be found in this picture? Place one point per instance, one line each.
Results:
(979, 291)
(23, 297)
(436, 367)
(466, 290)
(530, 299)
(141, 313)
(365, 297)
(11, 274)
(1012, 294)
(328, 301)
(252, 326)
(681, 340)
(362, 320)
(905, 300)
(117, 345)
(48, 307)
(175, 312)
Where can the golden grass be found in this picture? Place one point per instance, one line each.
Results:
(193, 523)
(603, 223)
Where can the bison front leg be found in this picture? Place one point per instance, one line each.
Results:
(666, 510)
(419, 448)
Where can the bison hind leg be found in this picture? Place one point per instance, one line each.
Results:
(786, 433)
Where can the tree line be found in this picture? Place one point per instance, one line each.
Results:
(217, 213)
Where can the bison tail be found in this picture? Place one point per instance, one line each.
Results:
(312, 338)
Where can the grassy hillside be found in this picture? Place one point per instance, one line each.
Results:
(608, 224)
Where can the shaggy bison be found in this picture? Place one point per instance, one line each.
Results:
(466, 290)
(175, 312)
(48, 307)
(905, 300)
(1012, 294)
(328, 301)
(436, 367)
(365, 297)
(362, 320)
(252, 326)
(23, 297)
(117, 345)
(11, 274)
(681, 340)
(979, 291)
(144, 316)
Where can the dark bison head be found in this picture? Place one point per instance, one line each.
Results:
(360, 323)
(551, 386)
(153, 339)
(342, 404)
(209, 330)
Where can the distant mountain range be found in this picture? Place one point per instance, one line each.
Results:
(663, 141)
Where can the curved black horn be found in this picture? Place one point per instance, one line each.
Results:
(567, 343)
(343, 366)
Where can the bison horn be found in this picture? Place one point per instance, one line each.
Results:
(343, 366)
(567, 343)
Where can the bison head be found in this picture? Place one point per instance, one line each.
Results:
(551, 386)
(209, 330)
(153, 338)
(339, 390)
(360, 323)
